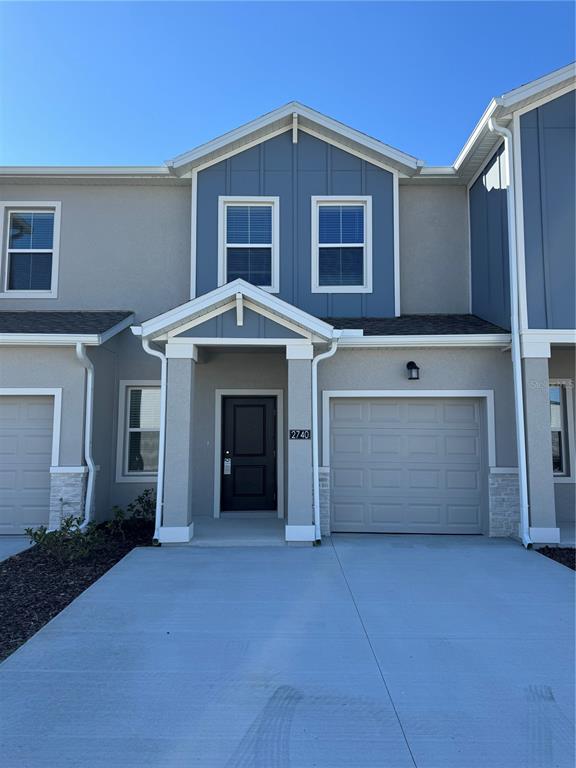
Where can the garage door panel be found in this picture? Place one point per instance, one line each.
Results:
(26, 453)
(413, 476)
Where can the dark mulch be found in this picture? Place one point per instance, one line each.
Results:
(564, 555)
(34, 587)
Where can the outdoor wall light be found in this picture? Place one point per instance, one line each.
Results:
(413, 371)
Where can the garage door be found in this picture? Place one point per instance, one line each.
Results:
(407, 465)
(25, 457)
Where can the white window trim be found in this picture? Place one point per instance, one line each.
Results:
(121, 475)
(274, 202)
(366, 201)
(568, 429)
(41, 206)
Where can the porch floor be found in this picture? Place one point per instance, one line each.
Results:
(240, 531)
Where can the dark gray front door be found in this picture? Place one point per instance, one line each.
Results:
(248, 454)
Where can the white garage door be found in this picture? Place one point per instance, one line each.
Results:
(407, 465)
(25, 457)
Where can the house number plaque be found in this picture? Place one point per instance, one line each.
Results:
(300, 434)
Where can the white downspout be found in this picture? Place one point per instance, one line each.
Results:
(88, 420)
(162, 441)
(315, 435)
(515, 331)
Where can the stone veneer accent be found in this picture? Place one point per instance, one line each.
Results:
(504, 503)
(67, 491)
(324, 475)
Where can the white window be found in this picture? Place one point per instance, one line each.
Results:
(561, 425)
(341, 244)
(30, 245)
(138, 431)
(248, 242)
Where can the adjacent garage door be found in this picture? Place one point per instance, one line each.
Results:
(407, 465)
(25, 457)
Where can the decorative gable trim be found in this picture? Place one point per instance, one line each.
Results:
(222, 299)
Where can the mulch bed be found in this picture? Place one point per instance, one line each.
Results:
(564, 555)
(34, 587)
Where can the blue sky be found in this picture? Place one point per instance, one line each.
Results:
(136, 83)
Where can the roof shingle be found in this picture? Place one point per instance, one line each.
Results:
(416, 325)
(65, 322)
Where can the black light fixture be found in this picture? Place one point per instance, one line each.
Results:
(413, 371)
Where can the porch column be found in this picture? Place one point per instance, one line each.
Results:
(539, 451)
(177, 523)
(300, 522)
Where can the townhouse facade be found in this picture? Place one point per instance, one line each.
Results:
(299, 321)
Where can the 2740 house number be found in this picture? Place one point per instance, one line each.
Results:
(300, 434)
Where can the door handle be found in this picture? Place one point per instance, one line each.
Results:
(227, 466)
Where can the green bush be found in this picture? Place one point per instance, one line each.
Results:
(144, 506)
(68, 543)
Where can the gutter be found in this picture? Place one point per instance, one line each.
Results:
(515, 331)
(315, 433)
(162, 441)
(88, 419)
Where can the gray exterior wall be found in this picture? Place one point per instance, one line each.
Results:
(562, 365)
(434, 252)
(440, 369)
(255, 326)
(122, 246)
(51, 367)
(294, 173)
(489, 244)
(548, 189)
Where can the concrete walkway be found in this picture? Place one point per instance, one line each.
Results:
(12, 545)
(383, 651)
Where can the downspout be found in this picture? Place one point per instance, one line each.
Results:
(315, 435)
(88, 419)
(162, 440)
(515, 331)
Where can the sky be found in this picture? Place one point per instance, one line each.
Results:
(137, 83)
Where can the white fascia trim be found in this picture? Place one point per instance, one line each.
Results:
(551, 335)
(438, 340)
(177, 534)
(84, 170)
(208, 301)
(56, 393)
(300, 533)
(316, 202)
(564, 75)
(486, 394)
(286, 113)
(64, 339)
(274, 202)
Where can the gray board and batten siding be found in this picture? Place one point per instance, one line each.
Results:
(295, 173)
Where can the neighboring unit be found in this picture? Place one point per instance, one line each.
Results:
(298, 321)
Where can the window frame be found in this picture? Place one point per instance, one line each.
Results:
(122, 473)
(29, 206)
(317, 201)
(567, 388)
(223, 245)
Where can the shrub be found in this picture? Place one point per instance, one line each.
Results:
(69, 542)
(144, 506)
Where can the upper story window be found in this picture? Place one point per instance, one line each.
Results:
(248, 242)
(341, 244)
(561, 417)
(30, 249)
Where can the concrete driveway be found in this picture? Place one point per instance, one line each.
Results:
(385, 651)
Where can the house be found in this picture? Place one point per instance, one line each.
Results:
(297, 320)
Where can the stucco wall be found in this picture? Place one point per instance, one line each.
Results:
(440, 369)
(434, 262)
(51, 367)
(122, 246)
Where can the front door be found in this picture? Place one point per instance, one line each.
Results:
(248, 454)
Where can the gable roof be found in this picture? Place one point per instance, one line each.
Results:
(221, 298)
(306, 119)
